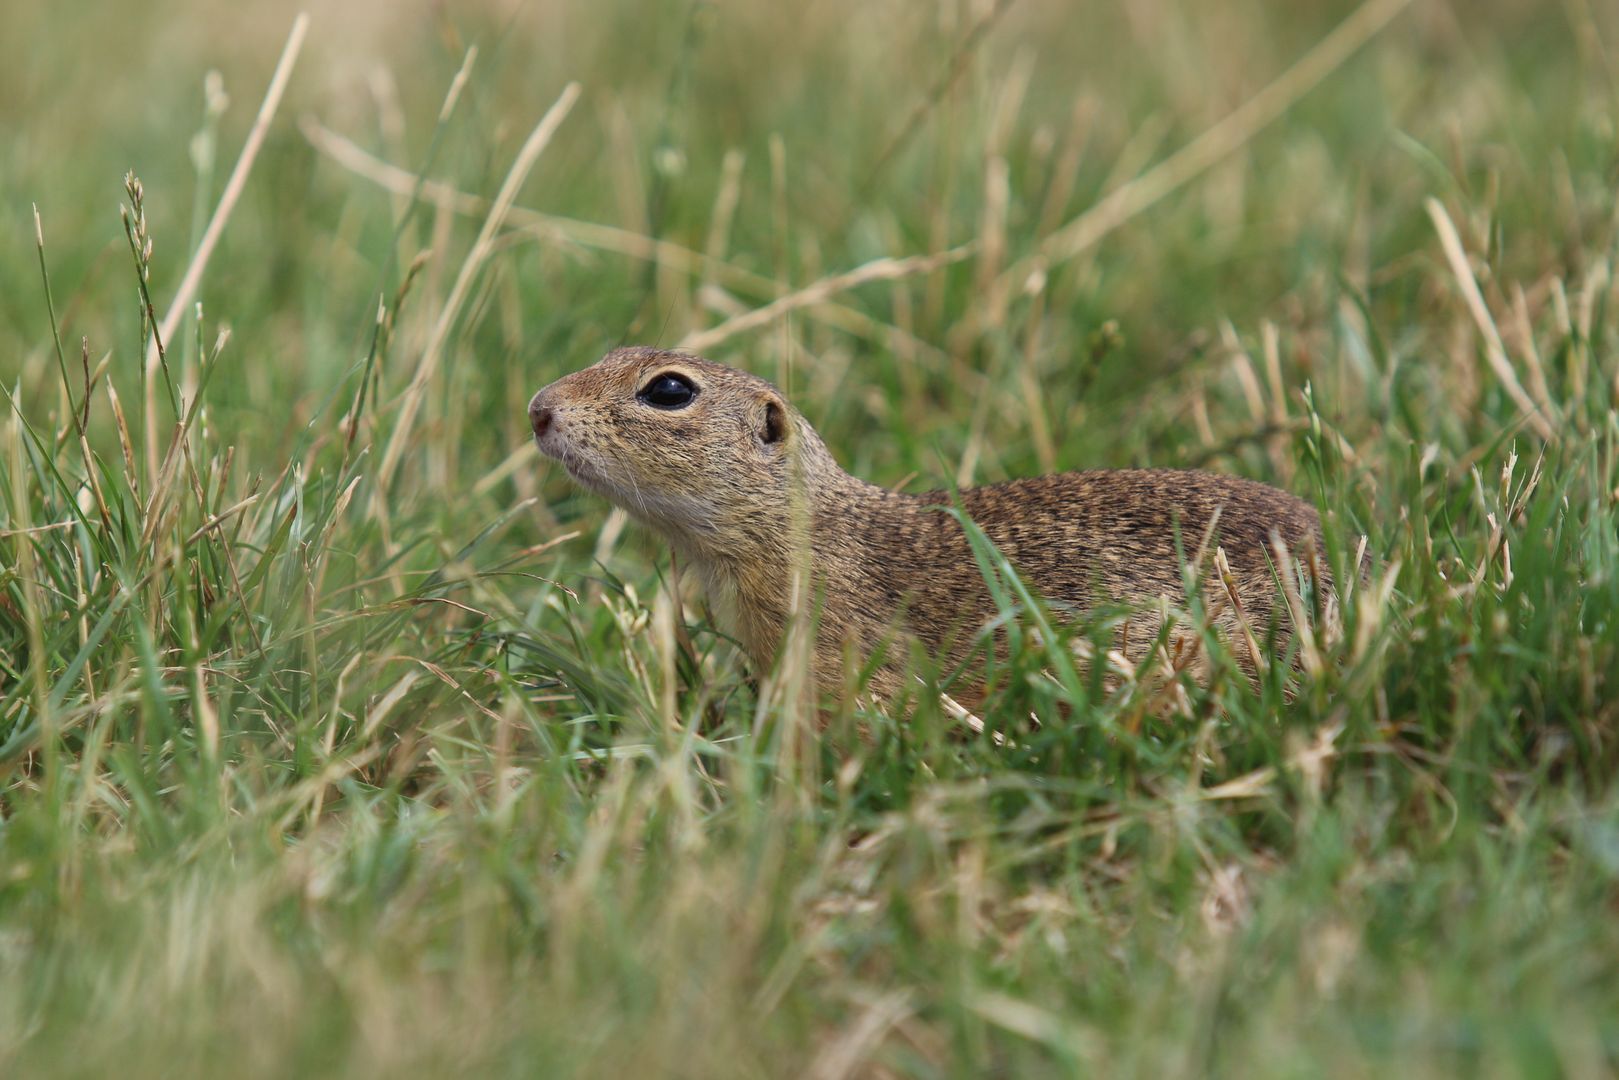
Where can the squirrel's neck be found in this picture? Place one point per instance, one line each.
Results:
(832, 543)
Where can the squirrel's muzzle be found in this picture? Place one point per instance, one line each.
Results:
(540, 415)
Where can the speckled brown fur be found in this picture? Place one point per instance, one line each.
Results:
(743, 510)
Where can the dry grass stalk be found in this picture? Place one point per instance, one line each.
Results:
(1540, 417)
(1222, 139)
(233, 189)
(536, 143)
(557, 229)
(883, 269)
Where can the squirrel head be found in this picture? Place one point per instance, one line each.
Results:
(696, 449)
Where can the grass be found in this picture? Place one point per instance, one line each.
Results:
(320, 758)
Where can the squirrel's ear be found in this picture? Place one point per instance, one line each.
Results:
(772, 422)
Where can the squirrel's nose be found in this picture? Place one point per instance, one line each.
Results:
(540, 416)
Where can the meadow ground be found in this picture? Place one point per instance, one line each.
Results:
(339, 734)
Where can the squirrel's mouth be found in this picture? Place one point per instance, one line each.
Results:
(582, 471)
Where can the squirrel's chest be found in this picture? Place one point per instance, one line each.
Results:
(749, 607)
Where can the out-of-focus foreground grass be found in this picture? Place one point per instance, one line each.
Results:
(340, 734)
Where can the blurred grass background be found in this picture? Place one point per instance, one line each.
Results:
(315, 765)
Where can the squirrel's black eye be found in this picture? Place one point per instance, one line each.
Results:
(668, 391)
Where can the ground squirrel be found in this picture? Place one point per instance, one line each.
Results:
(744, 490)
